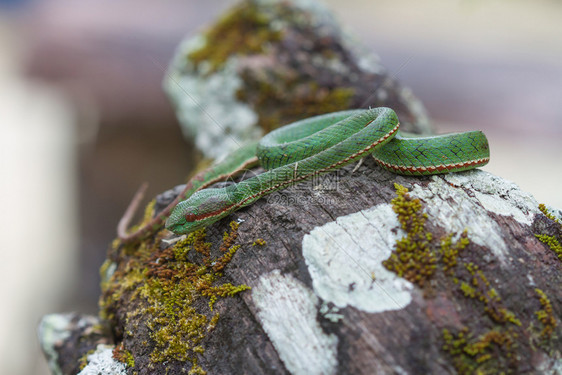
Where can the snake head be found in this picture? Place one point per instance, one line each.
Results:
(203, 208)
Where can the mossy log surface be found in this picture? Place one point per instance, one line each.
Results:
(267, 63)
(433, 275)
(357, 272)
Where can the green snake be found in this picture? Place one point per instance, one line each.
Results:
(305, 149)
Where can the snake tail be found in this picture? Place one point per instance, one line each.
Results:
(416, 156)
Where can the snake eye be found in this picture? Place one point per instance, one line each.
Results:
(190, 217)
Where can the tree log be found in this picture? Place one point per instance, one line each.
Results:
(325, 298)
(357, 272)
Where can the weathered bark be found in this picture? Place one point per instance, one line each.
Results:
(66, 338)
(349, 274)
(322, 302)
(268, 63)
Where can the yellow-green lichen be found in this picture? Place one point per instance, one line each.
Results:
(168, 286)
(245, 30)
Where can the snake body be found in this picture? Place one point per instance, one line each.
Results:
(321, 144)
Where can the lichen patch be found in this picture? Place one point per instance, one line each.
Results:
(102, 362)
(497, 195)
(344, 259)
(288, 310)
(456, 211)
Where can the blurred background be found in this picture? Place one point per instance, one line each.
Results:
(83, 120)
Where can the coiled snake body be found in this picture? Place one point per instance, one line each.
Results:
(310, 147)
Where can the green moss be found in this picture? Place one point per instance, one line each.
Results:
(467, 290)
(196, 369)
(130, 248)
(275, 107)
(545, 316)
(245, 30)
(83, 361)
(169, 287)
(413, 257)
(105, 273)
(230, 237)
(450, 251)
(118, 284)
(551, 241)
(481, 290)
(490, 353)
(546, 213)
(416, 257)
(259, 242)
(123, 355)
(278, 93)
